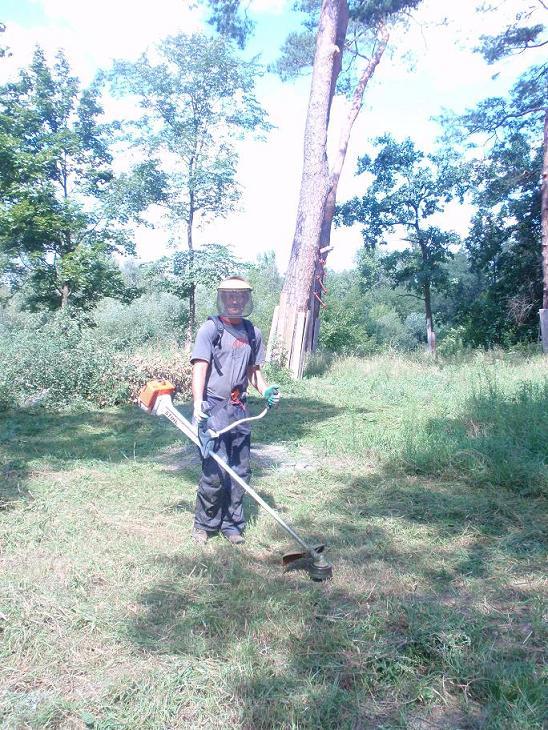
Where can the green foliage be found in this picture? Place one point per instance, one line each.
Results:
(343, 327)
(151, 318)
(407, 188)
(451, 341)
(57, 227)
(59, 359)
(503, 245)
(297, 54)
(207, 267)
(521, 111)
(226, 19)
(196, 103)
(4, 50)
(522, 34)
(373, 12)
(88, 273)
(361, 320)
(53, 364)
(264, 277)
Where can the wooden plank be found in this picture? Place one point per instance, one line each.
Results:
(306, 343)
(297, 349)
(273, 333)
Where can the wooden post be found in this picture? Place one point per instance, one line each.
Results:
(297, 349)
(272, 334)
(543, 314)
(306, 342)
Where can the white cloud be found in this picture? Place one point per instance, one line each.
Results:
(95, 33)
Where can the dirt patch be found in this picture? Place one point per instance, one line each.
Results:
(264, 456)
(270, 456)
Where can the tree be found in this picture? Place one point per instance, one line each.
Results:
(526, 107)
(360, 27)
(264, 277)
(178, 274)
(502, 245)
(408, 188)
(57, 227)
(196, 103)
(4, 50)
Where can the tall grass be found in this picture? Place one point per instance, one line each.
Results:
(482, 420)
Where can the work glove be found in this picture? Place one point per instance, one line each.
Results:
(200, 413)
(272, 395)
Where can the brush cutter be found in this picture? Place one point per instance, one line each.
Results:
(207, 436)
(155, 398)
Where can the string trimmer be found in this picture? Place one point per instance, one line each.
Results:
(155, 398)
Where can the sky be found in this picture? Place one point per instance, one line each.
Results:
(430, 67)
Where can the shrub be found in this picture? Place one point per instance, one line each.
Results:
(451, 341)
(60, 362)
(389, 329)
(318, 363)
(142, 367)
(153, 317)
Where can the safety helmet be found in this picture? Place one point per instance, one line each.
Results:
(234, 298)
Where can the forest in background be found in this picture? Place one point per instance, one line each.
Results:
(76, 189)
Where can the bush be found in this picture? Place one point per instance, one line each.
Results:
(55, 364)
(157, 317)
(142, 367)
(60, 362)
(451, 341)
(318, 363)
(389, 329)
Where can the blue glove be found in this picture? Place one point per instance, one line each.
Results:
(272, 395)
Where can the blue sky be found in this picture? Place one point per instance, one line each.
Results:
(431, 66)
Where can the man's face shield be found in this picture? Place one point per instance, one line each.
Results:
(234, 303)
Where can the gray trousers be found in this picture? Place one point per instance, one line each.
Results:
(219, 502)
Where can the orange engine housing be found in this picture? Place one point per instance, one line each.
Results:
(154, 388)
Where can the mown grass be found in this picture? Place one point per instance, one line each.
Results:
(426, 481)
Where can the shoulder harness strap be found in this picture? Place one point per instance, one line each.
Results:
(250, 331)
(217, 342)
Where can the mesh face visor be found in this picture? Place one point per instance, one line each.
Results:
(234, 303)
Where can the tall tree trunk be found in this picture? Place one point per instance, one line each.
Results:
(430, 333)
(331, 200)
(65, 293)
(191, 327)
(544, 218)
(295, 296)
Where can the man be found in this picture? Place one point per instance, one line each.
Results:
(227, 356)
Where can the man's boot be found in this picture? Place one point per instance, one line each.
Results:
(199, 536)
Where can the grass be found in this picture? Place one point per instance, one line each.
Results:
(428, 484)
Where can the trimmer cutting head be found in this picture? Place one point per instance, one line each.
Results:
(313, 562)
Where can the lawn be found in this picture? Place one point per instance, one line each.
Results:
(427, 482)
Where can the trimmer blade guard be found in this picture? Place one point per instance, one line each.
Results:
(313, 562)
